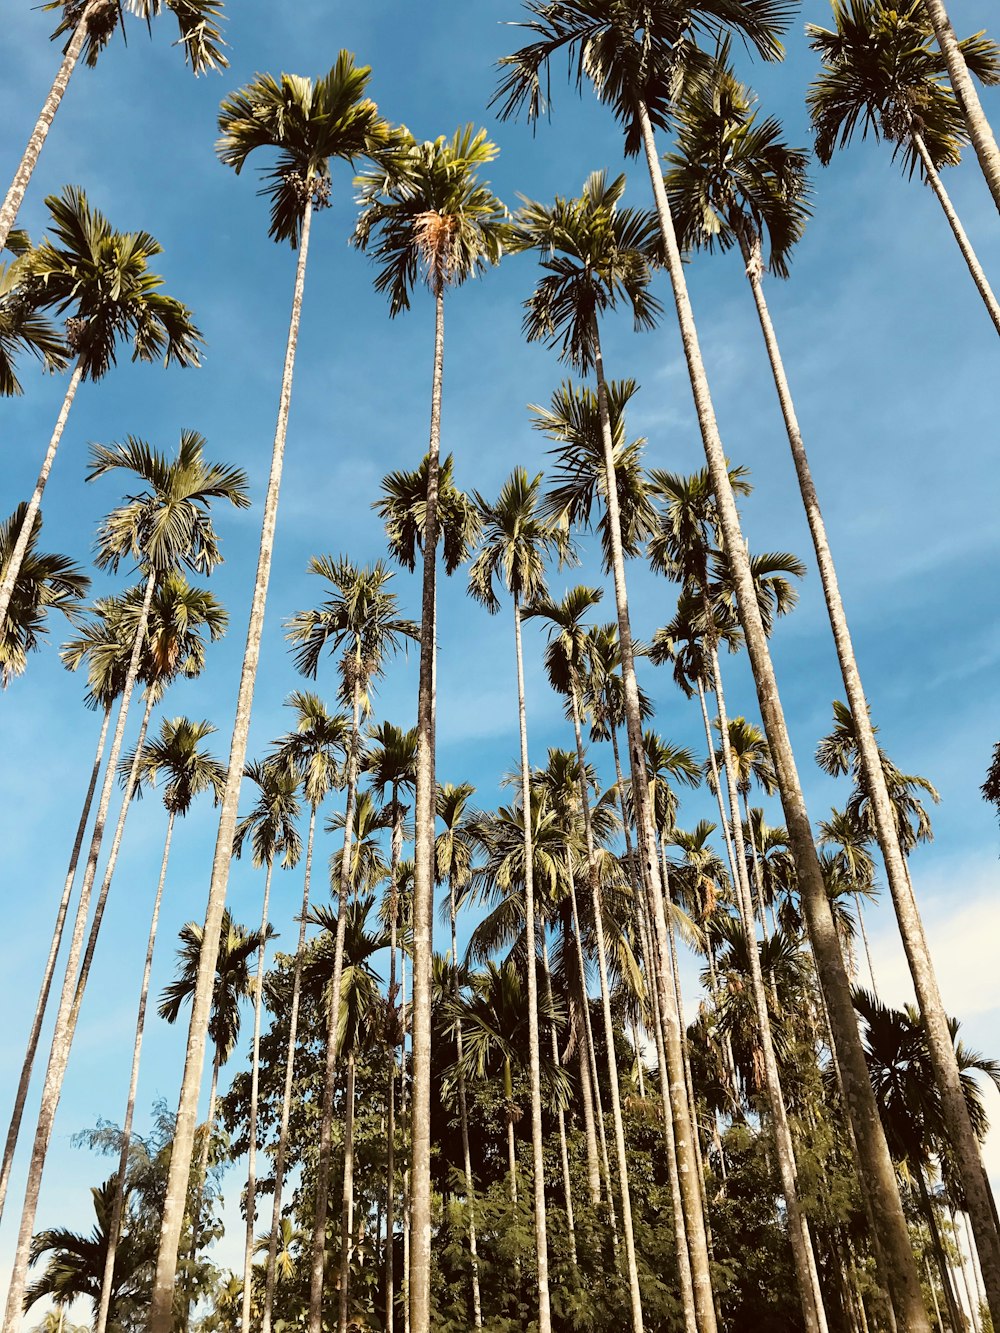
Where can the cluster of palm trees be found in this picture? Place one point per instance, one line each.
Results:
(867, 1121)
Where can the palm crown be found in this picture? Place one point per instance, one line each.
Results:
(22, 327)
(516, 539)
(403, 509)
(102, 278)
(44, 583)
(199, 26)
(176, 756)
(308, 122)
(423, 207)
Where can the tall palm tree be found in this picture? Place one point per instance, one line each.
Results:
(363, 620)
(391, 766)
(164, 526)
(881, 70)
(564, 660)
(315, 751)
(187, 769)
(635, 54)
(45, 583)
(91, 25)
(271, 829)
(23, 328)
(453, 853)
(306, 123)
(102, 277)
(598, 257)
(424, 209)
(515, 543)
(233, 982)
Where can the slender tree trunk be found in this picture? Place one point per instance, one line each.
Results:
(69, 999)
(955, 1317)
(864, 936)
(201, 1179)
(161, 1301)
(563, 1150)
(405, 1293)
(980, 131)
(635, 1296)
(419, 1294)
(958, 231)
(940, 1043)
(534, 1058)
(584, 1058)
(390, 1156)
(13, 567)
(463, 1113)
(875, 1171)
(18, 186)
(50, 967)
(286, 1100)
(687, 1164)
(114, 1227)
(251, 1195)
(347, 1214)
(810, 1296)
(320, 1205)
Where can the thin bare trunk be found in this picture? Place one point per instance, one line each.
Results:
(161, 1301)
(463, 1114)
(114, 1226)
(957, 230)
(16, 560)
(201, 1179)
(980, 131)
(875, 1172)
(390, 1156)
(563, 1150)
(251, 1195)
(584, 1057)
(320, 1206)
(687, 1164)
(72, 987)
(50, 967)
(940, 1043)
(419, 1294)
(625, 1193)
(286, 1100)
(347, 1213)
(18, 186)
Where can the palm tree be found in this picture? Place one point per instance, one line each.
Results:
(599, 256)
(162, 527)
(22, 327)
(77, 1264)
(423, 208)
(91, 25)
(271, 828)
(564, 660)
(880, 69)
(453, 853)
(307, 123)
(45, 583)
(233, 982)
(362, 619)
(634, 54)
(102, 277)
(187, 770)
(313, 750)
(516, 540)
(391, 765)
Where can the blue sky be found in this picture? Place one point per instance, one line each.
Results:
(890, 355)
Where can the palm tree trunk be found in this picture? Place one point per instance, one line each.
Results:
(251, 1195)
(964, 88)
(635, 1296)
(347, 1214)
(50, 967)
(114, 1227)
(939, 1038)
(390, 1156)
(958, 231)
(162, 1296)
(589, 1125)
(15, 194)
(810, 1295)
(286, 1100)
(875, 1173)
(72, 992)
(534, 1058)
(201, 1179)
(332, 1022)
(563, 1149)
(419, 1294)
(405, 1124)
(955, 1317)
(27, 526)
(687, 1165)
(463, 1113)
